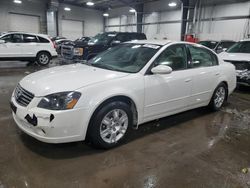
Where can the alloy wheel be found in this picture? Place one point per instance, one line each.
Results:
(114, 126)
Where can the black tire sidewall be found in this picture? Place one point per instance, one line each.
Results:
(43, 53)
(212, 102)
(94, 127)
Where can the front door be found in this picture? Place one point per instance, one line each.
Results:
(12, 47)
(168, 93)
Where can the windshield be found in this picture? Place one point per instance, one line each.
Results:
(103, 38)
(209, 44)
(129, 58)
(240, 47)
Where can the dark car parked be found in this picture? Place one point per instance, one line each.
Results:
(218, 46)
(59, 43)
(81, 51)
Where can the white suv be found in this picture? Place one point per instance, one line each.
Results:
(26, 47)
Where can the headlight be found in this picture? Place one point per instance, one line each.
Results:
(60, 101)
(78, 51)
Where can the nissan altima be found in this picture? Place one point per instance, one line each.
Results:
(121, 88)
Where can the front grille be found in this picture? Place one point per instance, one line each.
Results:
(67, 51)
(22, 96)
(240, 65)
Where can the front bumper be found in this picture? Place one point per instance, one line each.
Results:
(243, 77)
(243, 82)
(65, 126)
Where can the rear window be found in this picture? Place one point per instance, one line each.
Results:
(141, 36)
(226, 44)
(43, 40)
(209, 44)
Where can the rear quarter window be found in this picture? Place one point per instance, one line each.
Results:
(43, 40)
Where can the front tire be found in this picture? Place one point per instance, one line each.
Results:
(110, 126)
(219, 97)
(43, 58)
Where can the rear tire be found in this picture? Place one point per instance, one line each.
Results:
(219, 97)
(43, 58)
(110, 125)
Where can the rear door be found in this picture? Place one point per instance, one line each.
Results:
(204, 65)
(30, 45)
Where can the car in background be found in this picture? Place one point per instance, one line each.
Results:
(217, 46)
(121, 88)
(59, 43)
(20, 46)
(83, 51)
(57, 38)
(82, 40)
(239, 56)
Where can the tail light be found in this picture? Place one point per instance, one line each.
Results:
(54, 44)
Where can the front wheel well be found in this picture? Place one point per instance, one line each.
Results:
(119, 98)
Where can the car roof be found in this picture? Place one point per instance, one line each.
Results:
(156, 42)
(227, 41)
(116, 32)
(16, 32)
(245, 40)
(208, 41)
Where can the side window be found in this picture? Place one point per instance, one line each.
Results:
(7, 38)
(17, 38)
(121, 37)
(202, 57)
(174, 56)
(227, 44)
(29, 38)
(43, 40)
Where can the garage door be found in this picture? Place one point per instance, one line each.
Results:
(19, 22)
(72, 29)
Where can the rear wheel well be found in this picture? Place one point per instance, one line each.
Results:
(44, 52)
(224, 82)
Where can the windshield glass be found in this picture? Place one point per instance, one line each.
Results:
(102, 38)
(209, 44)
(129, 58)
(240, 47)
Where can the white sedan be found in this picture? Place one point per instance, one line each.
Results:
(121, 88)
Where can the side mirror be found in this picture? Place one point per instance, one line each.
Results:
(2, 41)
(115, 42)
(161, 69)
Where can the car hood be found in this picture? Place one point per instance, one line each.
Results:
(235, 56)
(66, 78)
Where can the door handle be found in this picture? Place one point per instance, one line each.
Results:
(217, 74)
(188, 80)
(17, 44)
